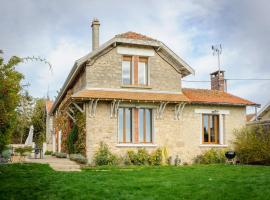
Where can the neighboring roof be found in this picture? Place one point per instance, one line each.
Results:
(214, 97)
(262, 111)
(125, 38)
(49, 105)
(250, 116)
(127, 95)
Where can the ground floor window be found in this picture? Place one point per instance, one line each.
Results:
(210, 129)
(125, 125)
(135, 125)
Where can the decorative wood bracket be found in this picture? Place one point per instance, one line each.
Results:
(71, 117)
(78, 107)
(178, 110)
(114, 108)
(92, 107)
(160, 109)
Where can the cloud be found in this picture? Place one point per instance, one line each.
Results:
(60, 31)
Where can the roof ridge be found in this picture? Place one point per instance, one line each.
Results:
(134, 35)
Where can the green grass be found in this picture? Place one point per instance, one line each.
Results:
(35, 181)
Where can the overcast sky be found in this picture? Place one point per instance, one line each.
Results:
(60, 32)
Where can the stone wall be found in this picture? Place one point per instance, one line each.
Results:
(180, 137)
(80, 83)
(106, 72)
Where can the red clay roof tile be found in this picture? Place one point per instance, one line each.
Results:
(214, 96)
(133, 35)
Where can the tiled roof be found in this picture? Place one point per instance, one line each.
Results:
(189, 95)
(124, 95)
(49, 104)
(214, 96)
(133, 35)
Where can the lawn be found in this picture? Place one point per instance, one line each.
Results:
(35, 181)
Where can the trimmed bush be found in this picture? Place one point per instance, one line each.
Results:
(211, 156)
(78, 158)
(60, 155)
(22, 151)
(48, 153)
(252, 145)
(104, 157)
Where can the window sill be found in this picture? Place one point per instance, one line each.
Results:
(136, 86)
(214, 145)
(136, 145)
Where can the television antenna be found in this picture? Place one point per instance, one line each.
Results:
(217, 50)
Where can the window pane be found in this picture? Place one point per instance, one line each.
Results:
(216, 125)
(205, 128)
(126, 72)
(142, 73)
(141, 125)
(120, 125)
(148, 123)
(212, 129)
(128, 125)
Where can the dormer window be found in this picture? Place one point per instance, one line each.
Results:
(134, 70)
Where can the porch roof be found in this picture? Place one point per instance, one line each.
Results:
(130, 95)
(205, 96)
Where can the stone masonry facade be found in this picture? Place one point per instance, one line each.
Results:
(180, 137)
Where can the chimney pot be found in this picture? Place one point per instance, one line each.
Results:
(95, 33)
(218, 81)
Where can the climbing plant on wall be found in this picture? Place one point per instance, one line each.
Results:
(80, 144)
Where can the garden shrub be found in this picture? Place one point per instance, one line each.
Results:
(48, 152)
(6, 155)
(71, 140)
(60, 155)
(142, 157)
(103, 156)
(78, 158)
(252, 145)
(156, 157)
(211, 156)
(22, 151)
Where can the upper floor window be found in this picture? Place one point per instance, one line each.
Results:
(127, 70)
(134, 70)
(142, 71)
(210, 129)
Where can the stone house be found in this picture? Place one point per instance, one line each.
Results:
(130, 91)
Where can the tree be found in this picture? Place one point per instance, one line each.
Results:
(9, 98)
(39, 121)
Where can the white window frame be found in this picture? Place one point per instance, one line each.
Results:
(221, 114)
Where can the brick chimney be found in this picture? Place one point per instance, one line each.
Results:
(218, 82)
(95, 34)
